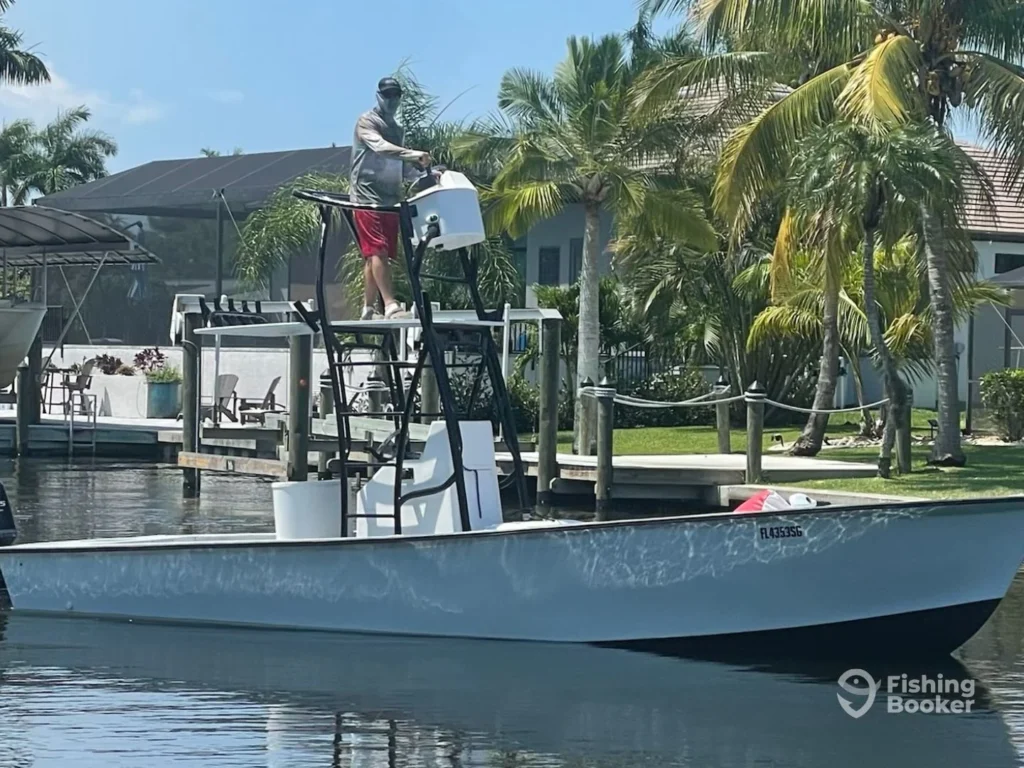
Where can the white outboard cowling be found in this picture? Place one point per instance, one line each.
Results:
(453, 205)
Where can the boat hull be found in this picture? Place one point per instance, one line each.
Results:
(918, 578)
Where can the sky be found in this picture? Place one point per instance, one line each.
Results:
(166, 79)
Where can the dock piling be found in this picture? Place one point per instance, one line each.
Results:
(605, 396)
(326, 411)
(721, 389)
(300, 367)
(191, 359)
(24, 410)
(755, 397)
(430, 398)
(547, 435)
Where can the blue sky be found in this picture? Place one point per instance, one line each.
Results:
(166, 79)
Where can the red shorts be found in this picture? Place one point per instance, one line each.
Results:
(377, 233)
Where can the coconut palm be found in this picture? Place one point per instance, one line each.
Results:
(65, 155)
(568, 140)
(17, 140)
(857, 188)
(901, 62)
(18, 66)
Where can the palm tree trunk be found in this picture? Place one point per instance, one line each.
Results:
(947, 450)
(895, 389)
(589, 338)
(809, 443)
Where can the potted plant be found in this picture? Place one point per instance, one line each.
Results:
(163, 390)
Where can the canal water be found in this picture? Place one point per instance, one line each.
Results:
(104, 693)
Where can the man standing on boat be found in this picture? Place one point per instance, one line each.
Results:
(380, 168)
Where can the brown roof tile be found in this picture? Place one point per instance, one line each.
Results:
(1007, 218)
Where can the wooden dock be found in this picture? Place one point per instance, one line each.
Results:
(260, 451)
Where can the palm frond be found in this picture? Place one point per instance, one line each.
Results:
(996, 90)
(515, 209)
(756, 156)
(882, 89)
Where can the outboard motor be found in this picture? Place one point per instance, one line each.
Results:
(8, 530)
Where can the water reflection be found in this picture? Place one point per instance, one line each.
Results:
(94, 693)
(181, 694)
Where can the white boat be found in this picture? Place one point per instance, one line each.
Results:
(19, 326)
(893, 579)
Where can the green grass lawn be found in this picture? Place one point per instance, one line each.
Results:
(992, 470)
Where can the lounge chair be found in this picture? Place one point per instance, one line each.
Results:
(257, 410)
(219, 404)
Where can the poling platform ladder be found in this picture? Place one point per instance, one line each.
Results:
(438, 337)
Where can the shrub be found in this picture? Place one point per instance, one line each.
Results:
(150, 359)
(667, 387)
(164, 373)
(108, 364)
(1002, 393)
(125, 370)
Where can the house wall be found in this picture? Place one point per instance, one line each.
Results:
(558, 232)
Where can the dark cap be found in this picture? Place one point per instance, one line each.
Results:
(389, 86)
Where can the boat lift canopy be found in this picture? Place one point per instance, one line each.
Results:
(38, 236)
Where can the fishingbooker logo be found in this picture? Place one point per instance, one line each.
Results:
(904, 694)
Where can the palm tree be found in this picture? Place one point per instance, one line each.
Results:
(569, 140)
(17, 140)
(65, 155)
(18, 66)
(897, 63)
(861, 187)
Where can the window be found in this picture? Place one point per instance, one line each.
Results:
(549, 266)
(1006, 262)
(575, 259)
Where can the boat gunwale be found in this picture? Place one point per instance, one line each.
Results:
(144, 543)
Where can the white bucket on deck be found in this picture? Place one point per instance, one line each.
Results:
(308, 509)
(454, 205)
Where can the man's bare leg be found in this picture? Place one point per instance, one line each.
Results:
(382, 277)
(369, 288)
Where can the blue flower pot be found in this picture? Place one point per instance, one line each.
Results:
(163, 399)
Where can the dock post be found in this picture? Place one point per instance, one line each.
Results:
(35, 372)
(755, 397)
(23, 415)
(326, 411)
(605, 396)
(722, 416)
(190, 373)
(430, 397)
(300, 366)
(585, 408)
(547, 434)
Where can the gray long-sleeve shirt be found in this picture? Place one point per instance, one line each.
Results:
(378, 175)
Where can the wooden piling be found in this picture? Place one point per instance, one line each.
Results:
(430, 397)
(755, 397)
(300, 367)
(605, 395)
(547, 434)
(191, 359)
(24, 410)
(326, 411)
(721, 389)
(35, 371)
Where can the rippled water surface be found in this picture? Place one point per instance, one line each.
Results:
(78, 692)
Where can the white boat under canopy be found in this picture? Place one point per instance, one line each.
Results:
(415, 543)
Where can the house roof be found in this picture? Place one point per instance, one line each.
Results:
(188, 187)
(1006, 221)
(34, 235)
